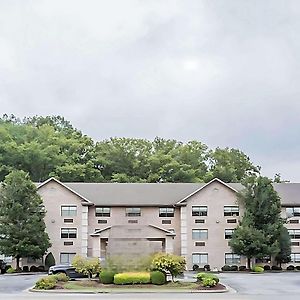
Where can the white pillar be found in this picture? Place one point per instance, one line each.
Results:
(169, 241)
(183, 231)
(84, 231)
(96, 246)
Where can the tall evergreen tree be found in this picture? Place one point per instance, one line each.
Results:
(284, 255)
(262, 215)
(22, 226)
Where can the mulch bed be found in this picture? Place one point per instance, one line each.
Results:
(218, 287)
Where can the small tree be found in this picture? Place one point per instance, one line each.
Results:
(166, 262)
(22, 226)
(249, 242)
(284, 255)
(87, 266)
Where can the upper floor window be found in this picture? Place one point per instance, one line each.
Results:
(133, 211)
(294, 233)
(292, 211)
(228, 234)
(68, 233)
(295, 257)
(232, 259)
(199, 211)
(231, 211)
(199, 234)
(166, 212)
(68, 210)
(200, 258)
(102, 211)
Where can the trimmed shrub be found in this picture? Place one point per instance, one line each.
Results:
(290, 268)
(207, 268)
(209, 281)
(267, 268)
(107, 277)
(33, 269)
(25, 269)
(11, 270)
(298, 268)
(202, 276)
(226, 268)
(195, 267)
(49, 261)
(61, 277)
(41, 268)
(276, 268)
(46, 283)
(132, 278)
(234, 268)
(257, 269)
(242, 268)
(157, 277)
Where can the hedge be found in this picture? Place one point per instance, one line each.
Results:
(132, 278)
(257, 269)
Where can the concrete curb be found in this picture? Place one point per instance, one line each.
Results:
(129, 291)
(26, 274)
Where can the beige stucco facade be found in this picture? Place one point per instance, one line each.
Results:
(199, 238)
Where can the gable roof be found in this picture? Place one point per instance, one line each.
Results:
(158, 194)
(235, 188)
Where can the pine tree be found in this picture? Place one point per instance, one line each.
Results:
(284, 256)
(22, 226)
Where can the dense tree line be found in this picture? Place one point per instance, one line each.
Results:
(51, 146)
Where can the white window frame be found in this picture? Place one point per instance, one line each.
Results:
(200, 259)
(199, 234)
(70, 212)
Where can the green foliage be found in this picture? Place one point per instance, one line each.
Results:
(259, 232)
(49, 260)
(207, 278)
(258, 269)
(284, 255)
(61, 277)
(51, 146)
(209, 282)
(132, 278)
(22, 226)
(106, 277)
(11, 270)
(87, 266)
(157, 277)
(168, 263)
(46, 283)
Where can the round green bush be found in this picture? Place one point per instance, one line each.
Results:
(107, 277)
(61, 277)
(132, 278)
(46, 283)
(267, 268)
(157, 277)
(209, 282)
(202, 276)
(234, 268)
(11, 270)
(242, 268)
(257, 269)
(226, 268)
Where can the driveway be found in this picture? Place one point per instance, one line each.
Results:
(14, 284)
(263, 284)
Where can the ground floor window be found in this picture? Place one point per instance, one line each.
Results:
(200, 258)
(295, 257)
(232, 259)
(66, 258)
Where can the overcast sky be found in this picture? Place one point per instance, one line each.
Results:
(225, 72)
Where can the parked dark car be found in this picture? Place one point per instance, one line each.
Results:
(2, 266)
(69, 270)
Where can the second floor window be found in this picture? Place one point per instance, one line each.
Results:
(102, 211)
(294, 233)
(133, 212)
(199, 211)
(292, 211)
(228, 234)
(68, 210)
(231, 211)
(68, 233)
(166, 212)
(199, 234)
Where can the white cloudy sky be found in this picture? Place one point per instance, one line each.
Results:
(225, 72)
